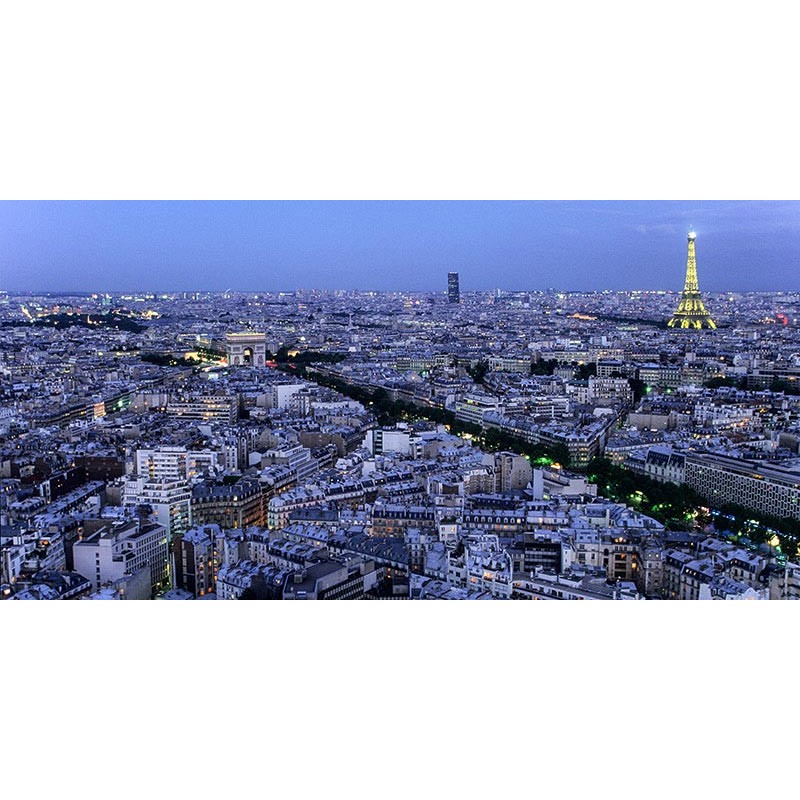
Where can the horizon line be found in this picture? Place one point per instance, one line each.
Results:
(443, 292)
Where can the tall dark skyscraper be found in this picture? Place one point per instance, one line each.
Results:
(453, 295)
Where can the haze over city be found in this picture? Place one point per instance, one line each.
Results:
(397, 246)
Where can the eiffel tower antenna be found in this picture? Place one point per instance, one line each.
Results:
(691, 312)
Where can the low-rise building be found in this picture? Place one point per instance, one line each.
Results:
(121, 549)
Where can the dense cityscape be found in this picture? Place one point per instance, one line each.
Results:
(398, 302)
(453, 444)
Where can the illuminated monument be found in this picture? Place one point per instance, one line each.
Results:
(691, 313)
(246, 349)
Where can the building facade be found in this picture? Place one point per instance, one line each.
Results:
(765, 489)
(247, 349)
(123, 549)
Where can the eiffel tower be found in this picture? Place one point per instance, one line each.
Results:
(691, 313)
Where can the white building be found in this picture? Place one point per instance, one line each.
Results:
(170, 501)
(664, 464)
(474, 406)
(387, 440)
(283, 392)
(512, 471)
(174, 463)
(280, 507)
(294, 456)
(722, 587)
(204, 408)
(123, 549)
(768, 489)
(578, 585)
(610, 389)
(485, 566)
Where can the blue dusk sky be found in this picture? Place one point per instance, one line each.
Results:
(388, 245)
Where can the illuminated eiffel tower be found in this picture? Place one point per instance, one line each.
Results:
(691, 313)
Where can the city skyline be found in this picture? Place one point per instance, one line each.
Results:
(420, 444)
(371, 446)
(395, 246)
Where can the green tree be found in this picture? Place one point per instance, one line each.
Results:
(544, 367)
(787, 387)
(638, 387)
(586, 371)
(478, 372)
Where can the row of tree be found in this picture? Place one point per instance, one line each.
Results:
(548, 367)
(678, 507)
(297, 362)
(389, 411)
(164, 360)
(675, 506)
(778, 384)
